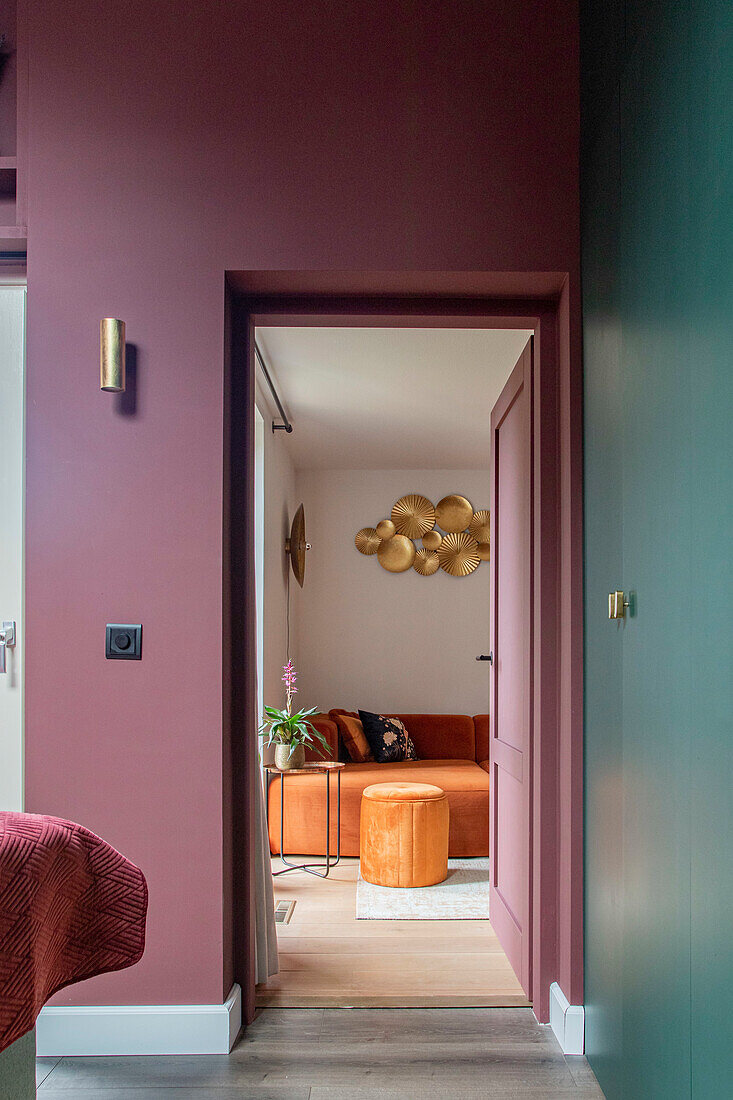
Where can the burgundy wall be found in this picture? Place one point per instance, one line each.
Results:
(170, 142)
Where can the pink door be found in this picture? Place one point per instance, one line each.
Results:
(511, 671)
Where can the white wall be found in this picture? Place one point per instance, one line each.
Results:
(281, 501)
(382, 641)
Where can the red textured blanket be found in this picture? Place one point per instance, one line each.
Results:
(70, 907)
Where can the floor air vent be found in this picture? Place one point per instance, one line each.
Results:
(284, 911)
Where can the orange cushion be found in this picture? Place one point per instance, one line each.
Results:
(484, 764)
(354, 738)
(403, 792)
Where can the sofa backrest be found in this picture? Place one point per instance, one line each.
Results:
(437, 736)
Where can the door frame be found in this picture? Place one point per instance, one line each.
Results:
(510, 757)
(291, 298)
(12, 748)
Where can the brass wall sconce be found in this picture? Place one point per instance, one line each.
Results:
(112, 355)
(459, 548)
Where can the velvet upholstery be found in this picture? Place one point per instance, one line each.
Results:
(465, 783)
(388, 738)
(481, 725)
(351, 732)
(437, 736)
(403, 792)
(404, 834)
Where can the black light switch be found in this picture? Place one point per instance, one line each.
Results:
(124, 642)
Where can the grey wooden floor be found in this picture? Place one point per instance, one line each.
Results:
(347, 1054)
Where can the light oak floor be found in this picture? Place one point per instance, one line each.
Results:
(329, 959)
(331, 1054)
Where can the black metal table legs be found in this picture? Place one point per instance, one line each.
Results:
(321, 870)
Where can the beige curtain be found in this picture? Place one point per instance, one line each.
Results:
(266, 962)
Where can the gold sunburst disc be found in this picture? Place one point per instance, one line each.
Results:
(480, 526)
(454, 513)
(458, 554)
(484, 551)
(426, 562)
(367, 541)
(386, 529)
(413, 515)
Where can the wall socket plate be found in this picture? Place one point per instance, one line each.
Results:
(124, 642)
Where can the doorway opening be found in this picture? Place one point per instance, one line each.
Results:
(389, 460)
(544, 950)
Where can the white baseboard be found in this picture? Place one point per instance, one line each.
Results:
(567, 1021)
(139, 1029)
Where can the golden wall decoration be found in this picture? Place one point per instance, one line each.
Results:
(431, 540)
(413, 516)
(480, 526)
(397, 554)
(458, 554)
(367, 541)
(453, 513)
(454, 537)
(426, 562)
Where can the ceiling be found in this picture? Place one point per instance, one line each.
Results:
(389, 398)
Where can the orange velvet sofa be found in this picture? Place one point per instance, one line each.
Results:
(453, 751)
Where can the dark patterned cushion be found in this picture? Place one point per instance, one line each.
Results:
(388, 739)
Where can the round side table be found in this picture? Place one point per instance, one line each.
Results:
(326, 768)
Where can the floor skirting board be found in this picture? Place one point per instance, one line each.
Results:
(567, 1021)
(139, 1029)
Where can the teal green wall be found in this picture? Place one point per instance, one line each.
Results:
(657, 201)
(18, 1069)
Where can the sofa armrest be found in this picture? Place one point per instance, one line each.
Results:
(484, 764)
(328, 729)
(481, 725)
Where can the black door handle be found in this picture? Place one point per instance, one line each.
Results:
(486, 657)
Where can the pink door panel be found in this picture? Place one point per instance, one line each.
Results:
(511, 676)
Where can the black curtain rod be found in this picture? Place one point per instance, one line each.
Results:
(286, 426)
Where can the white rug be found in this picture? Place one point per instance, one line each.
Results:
(463, 896)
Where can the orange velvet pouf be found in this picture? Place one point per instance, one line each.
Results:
(404, 834)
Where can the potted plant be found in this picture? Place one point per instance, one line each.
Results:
(290, 732)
